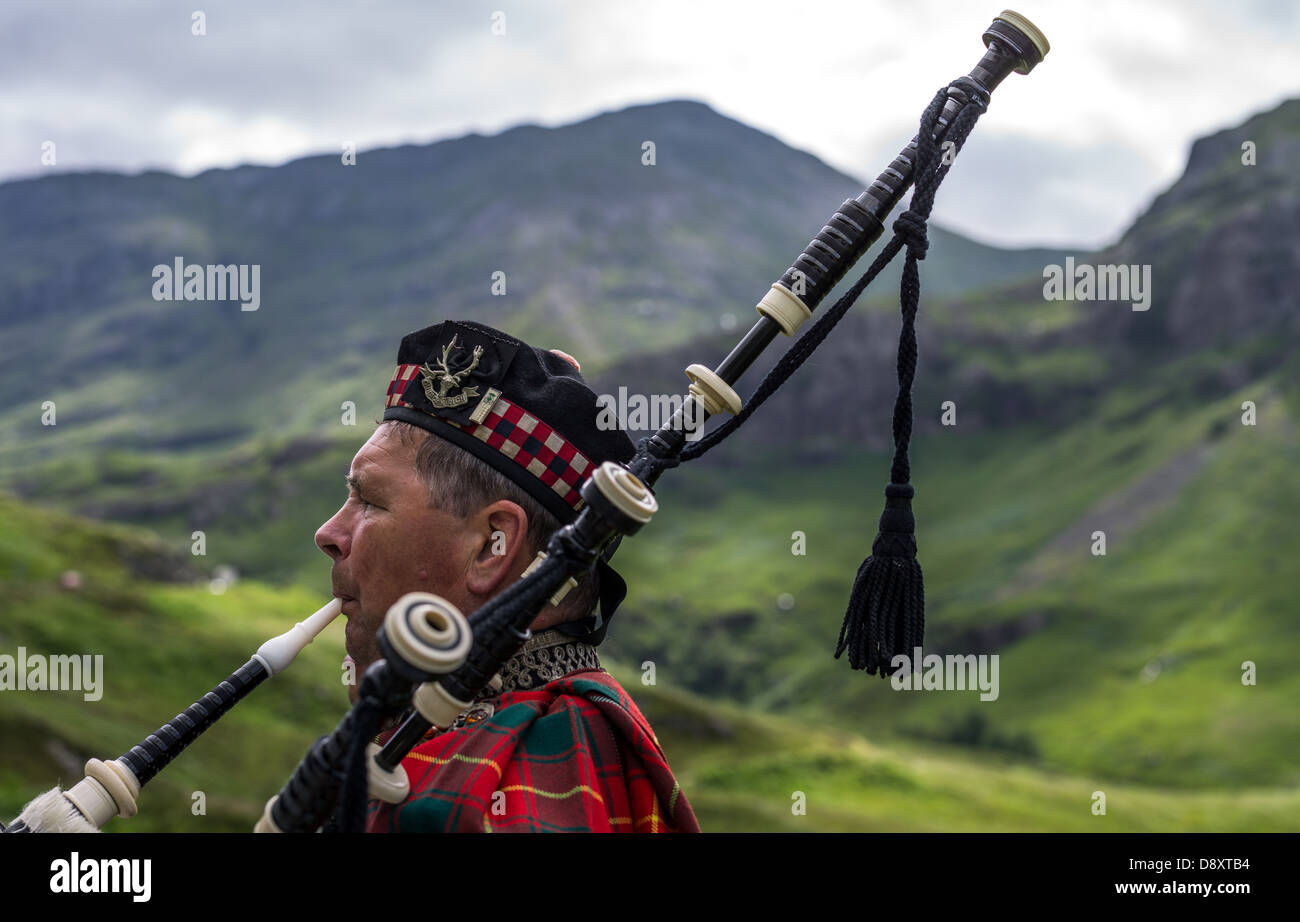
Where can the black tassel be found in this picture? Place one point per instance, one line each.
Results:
(886, 613)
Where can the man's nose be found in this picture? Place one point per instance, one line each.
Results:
(333, 538)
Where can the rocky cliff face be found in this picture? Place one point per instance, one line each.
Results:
(1224, 241)
(1223, 246)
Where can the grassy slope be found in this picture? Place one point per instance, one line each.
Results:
(741, 770)
(1134, 676)
(164, 645)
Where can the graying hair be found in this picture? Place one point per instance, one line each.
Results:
(461, 484)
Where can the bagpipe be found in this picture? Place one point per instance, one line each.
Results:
(436, 661)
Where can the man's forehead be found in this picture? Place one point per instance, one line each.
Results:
(380, 460)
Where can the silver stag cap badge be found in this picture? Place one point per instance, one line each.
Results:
(446, 380)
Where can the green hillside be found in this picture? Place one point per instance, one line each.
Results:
(1126, 666)
(600, 254)
(165, 644)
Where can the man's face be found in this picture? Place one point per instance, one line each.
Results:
(387, 541)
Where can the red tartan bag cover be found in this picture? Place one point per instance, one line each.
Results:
(575, 755)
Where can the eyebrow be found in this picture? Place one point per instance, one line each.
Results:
(369, 487)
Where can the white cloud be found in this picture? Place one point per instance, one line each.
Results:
(203, 138)
(1085, 141)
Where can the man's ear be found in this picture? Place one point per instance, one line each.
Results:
(500, 529)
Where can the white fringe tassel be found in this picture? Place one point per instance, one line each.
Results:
(52, 812)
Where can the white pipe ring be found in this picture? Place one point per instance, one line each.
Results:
(428, 632)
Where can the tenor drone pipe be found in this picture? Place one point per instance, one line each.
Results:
(111, 788)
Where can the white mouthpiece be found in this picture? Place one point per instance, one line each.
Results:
(278, 652)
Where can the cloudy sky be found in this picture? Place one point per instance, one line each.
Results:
(1067, 155)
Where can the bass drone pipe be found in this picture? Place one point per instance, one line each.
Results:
(1013, 44)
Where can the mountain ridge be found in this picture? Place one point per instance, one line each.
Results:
(595, 248)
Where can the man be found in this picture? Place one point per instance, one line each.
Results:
(483, 448)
